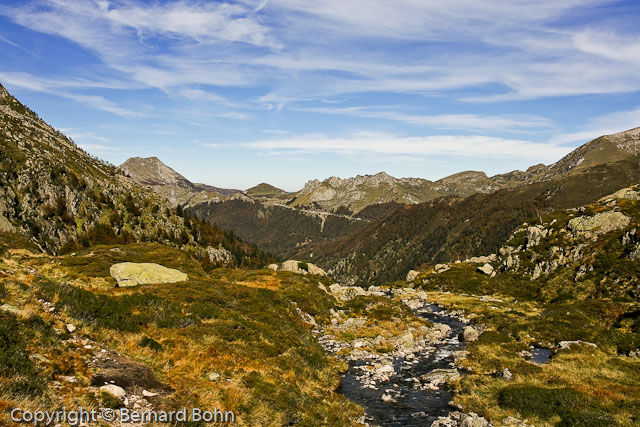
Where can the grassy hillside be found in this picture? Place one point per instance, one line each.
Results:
(230, 339)
(589, 296)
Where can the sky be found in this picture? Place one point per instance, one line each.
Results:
(232, 94)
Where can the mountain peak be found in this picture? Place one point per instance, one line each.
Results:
(151, 171)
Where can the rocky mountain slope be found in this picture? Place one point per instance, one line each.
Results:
(453, 228)
(65, 199)
(557, 318)
(178, 190)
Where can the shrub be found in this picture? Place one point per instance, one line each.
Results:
(548, 402)
(15, 364)
(154, 345)
(303, 266)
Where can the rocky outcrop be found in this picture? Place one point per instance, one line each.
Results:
(133, 274)
(599, 223)
(220, 256)
(629, 193)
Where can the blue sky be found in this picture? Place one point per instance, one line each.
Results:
(282, 91)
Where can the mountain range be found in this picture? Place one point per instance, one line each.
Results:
(504, 300)
(344, 224)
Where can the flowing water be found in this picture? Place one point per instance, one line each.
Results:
(414, 405)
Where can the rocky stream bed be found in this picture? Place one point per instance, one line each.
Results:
(406, 386)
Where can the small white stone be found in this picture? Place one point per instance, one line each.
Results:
(146, 393)
(71, 328)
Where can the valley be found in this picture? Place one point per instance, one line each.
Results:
(362, 301)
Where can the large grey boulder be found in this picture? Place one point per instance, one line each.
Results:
(599, 223)
(133, 274)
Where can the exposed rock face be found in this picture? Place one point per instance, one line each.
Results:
(629, 193)
(6, 226)
(132, 274)
(599, 223)
(220, 256)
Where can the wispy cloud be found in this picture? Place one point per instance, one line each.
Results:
(509, 122)
(383, 144)
(288, 46)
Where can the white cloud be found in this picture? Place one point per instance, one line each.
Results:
(508, 122)
(384, 144)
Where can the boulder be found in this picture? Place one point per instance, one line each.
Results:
(506, 374)
(113, 390)
(486, 269)
(411, 275)
(132, 274)
(213, 376)
(440, 376)
(346, 293)
(472, 420)
(599, 223)
(302, 267)
(441, 268)
(272, 267)
(470, 334)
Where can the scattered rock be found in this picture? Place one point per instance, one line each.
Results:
(71, 328)
(346, 293)
(132, 274)
(272, 267)
(470, 334)
(146, 393)
(387, 398)
(113, 390)
(512, 421)
(565, 345)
